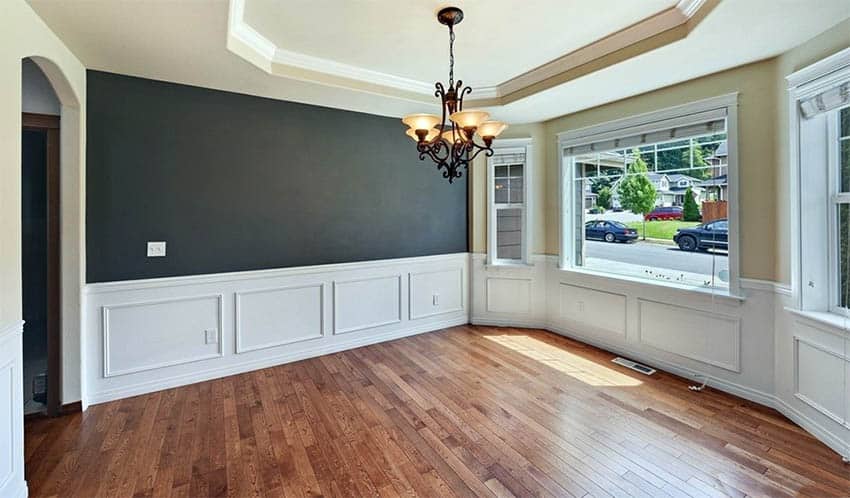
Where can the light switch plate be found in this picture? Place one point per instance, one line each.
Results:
(211, 336)
(156, 249)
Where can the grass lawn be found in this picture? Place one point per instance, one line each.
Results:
(663, 230)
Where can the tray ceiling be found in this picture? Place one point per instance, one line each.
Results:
(528, 61)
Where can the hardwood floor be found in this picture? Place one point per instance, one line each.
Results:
(464, 411)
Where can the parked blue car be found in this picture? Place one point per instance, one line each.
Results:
(712, 235)
(609, 231)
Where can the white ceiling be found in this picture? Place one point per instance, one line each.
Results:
(186, 41)
(403, 38)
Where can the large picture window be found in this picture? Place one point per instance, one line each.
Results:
(651, 197)
(508, 176)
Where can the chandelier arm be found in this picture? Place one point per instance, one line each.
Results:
(461, 93)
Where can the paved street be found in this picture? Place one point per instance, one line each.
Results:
(659, 256)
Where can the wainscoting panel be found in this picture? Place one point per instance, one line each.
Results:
(154, 334)
(148, 335)
(435, 293)
(276, 317)
(12, 482)
(508, 295)
(706, 337)
(366, 303)
(819, 378)
(604, 311)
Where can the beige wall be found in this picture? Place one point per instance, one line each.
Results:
(825, 44)
(763, 154)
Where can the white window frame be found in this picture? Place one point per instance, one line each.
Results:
(645, 123)
(815, 281)
(503, 147)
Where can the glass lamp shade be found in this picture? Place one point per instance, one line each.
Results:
(421, 121)
(469, 119)
(430, 136)
(491, 129)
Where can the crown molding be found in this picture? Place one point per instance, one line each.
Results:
(645, 35)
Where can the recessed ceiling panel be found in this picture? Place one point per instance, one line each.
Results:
(497, 40)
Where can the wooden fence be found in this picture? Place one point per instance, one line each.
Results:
(714, 210)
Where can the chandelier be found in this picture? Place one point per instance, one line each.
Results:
(452, 145)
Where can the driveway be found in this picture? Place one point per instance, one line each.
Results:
(659, 256)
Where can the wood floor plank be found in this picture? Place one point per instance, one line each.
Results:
(466, 411)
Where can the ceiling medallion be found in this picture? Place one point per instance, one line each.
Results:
(451, 145)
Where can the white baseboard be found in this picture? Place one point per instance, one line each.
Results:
(720, 384)
(248, 366)
(812, 427)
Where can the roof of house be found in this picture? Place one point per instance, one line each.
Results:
(715, 182)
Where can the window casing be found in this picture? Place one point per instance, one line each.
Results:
(703, 127)
(508, 179)
(819, 99)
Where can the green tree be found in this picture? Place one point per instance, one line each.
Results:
(597, 184)
(637, 193)
(603, 198)
(699, 166)
(690, 211)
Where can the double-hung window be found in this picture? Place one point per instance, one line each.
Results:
(653, 197)
(841, 211)
(820, 103)
(508, 177)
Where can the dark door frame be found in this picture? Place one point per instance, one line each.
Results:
(50, 125)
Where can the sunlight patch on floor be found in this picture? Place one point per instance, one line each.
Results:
(575, 366)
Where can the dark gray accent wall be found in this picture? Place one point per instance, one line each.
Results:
(234, 182)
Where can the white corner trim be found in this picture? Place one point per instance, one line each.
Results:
(823, 67)
(326, 69)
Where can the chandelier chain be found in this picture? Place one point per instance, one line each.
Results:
(451, 56)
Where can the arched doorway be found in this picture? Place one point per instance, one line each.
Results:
(58, 123)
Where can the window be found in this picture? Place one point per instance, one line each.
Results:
(507, 224)
(840, 211)
(650, 197)
(820, 161)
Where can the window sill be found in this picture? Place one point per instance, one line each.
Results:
(724, 295)
(832, 320)
(507, 265)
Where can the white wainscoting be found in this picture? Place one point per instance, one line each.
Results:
(600, 310)
(153, 334)
(267, 318)
(366, 303)
(12, 482)
(436, 293)
(149, 335)
(710, 338)
(510, 295)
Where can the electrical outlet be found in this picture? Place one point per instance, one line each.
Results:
(436, 300)
(580, 305)
(156, 249)
(211, 336)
